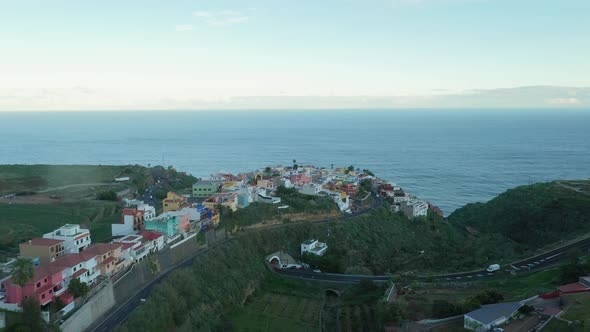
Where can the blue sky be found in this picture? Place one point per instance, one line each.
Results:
(180, 54)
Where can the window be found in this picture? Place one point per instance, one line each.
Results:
(45, 280)
(74, 269)
(52, 249)
(50, 291)
(104, 256)
(42, 296)
(108, 265)
(38, 284)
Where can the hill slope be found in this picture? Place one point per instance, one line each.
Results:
(534, 215)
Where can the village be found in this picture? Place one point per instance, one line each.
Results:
(66, 257)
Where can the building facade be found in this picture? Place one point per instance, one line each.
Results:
(75, 239)
(205, 188)
(314, 247)
(47, 250)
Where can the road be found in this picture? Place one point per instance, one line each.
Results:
(121, 313)
(537, 262)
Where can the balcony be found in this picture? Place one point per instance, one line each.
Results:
(59, 289)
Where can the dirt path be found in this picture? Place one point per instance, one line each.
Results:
(74, 186)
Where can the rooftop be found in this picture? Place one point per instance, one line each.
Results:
(489, 313)
(43, 242)
(574, 288)
(79, 273)
(151, 235)
(71, 260)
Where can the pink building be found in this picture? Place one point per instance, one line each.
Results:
(47, 284)
(300, 179)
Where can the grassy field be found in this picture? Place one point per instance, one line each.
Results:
(359, 317)
(19, 222)
(522, 287)
(513, 288)
(556, 325)
(15, 178)
(580, 309)
(273, 312)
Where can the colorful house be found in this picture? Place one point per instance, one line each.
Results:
(75, 239)
(132, 221)
(47, 250)
(300, 179)
(169, 226)
(153, 241)
(47, 284)
(205, 188)
(174, 202)
(229, 200)
(109, 258)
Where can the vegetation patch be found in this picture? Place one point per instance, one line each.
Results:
(533, 216)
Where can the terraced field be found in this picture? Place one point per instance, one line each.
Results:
(277, 312)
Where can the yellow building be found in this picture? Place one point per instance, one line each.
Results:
(174, 202)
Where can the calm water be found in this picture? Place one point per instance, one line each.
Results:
(448, 157)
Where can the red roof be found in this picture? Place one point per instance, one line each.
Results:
(150, 235)
(108, 260)
(71, 260)
(127, 245)
(102, 248)
(575, 287)
(129, 212)
(79, 273)
(67, 297)
(43, 242)
(81, 236)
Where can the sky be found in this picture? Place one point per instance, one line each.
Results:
(207, 54)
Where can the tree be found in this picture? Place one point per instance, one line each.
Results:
(31, 315)
(443, 308)
(78, 288)
(23, 272)
(56, 305)
(108, 195)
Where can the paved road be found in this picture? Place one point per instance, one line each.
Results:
(530, 264)
(124, 311)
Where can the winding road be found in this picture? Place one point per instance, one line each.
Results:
(121, 313)
(534, 263)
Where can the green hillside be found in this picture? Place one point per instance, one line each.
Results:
(534, 215)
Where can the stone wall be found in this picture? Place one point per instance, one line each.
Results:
(92, 310)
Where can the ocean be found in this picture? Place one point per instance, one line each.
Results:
(447, 157)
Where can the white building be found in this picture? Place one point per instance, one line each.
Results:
(400, 196)
(311, 189)
(490, 316)
(414, 208)
(263, 198)
(75, 239)
(342, 200)
(81, 266)
(134, 248)
(314, 247)
(149, 212)
(153, 241)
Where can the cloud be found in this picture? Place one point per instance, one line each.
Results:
(563, 101)
(184, 27)
(222, 17)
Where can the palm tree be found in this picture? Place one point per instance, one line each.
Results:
(23, 272)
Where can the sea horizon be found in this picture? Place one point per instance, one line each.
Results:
(448, 157)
